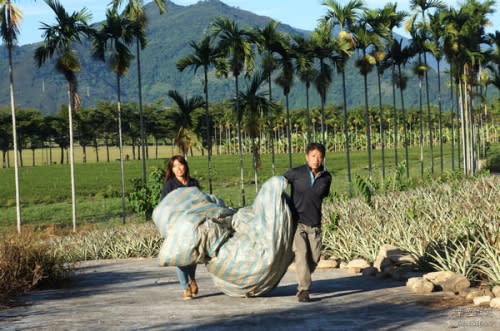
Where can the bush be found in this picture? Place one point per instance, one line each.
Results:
(27, 262)
(494, 163)
(144, 197)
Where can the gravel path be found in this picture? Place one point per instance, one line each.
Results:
(136, 294)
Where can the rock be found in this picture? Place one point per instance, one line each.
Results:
(370, 271)
(385, 264)
(358, 263)
(495, 303)
(455, 283)
(483, 301)
(325, 264)
(382, 256)
(471, 293)
(449, 294)
(438, 277)
(353, 270)
(496, 291)
(412, 281)
(342, 265)
(420, 285)
(401, 259)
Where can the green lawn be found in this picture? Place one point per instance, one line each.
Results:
(45, 190)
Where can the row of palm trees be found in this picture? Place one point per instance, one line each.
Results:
(352, 28)
(95, 127)
(119, 31)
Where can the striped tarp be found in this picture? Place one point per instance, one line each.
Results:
(247, 252)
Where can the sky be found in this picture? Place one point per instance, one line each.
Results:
(301, 14)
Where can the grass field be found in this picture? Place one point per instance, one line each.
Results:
(45, 190)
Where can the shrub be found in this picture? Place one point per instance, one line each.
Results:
(144, 197)
(27, 262)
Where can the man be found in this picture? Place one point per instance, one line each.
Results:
(310, 185)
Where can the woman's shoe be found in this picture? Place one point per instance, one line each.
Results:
(193, 286)
(187, 294)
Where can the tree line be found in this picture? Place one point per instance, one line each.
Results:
(455, 36)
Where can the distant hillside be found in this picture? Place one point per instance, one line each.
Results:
(168, 40)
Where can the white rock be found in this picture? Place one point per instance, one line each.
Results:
(353, 270)
(482, 301)
(327, 264)
(420, 285)
(495, 303)
(438, 277)
(358, 263)
(496, 291)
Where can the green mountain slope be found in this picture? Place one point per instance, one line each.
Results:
(168, 40)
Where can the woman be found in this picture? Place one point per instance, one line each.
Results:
(177, 175)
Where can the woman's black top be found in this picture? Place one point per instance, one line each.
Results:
(174, 183)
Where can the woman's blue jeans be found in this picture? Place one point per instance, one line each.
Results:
(186, 273)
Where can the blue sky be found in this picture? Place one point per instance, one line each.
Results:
(297, 13)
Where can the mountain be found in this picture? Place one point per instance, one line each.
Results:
(168, 40)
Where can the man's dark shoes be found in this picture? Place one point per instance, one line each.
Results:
(303, 296)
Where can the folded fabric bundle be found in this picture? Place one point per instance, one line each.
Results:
(247, 251)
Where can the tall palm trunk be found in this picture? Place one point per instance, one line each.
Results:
(405, 129)
(209, 137)
(308, 113)
(452, 114)
(463, 125)
(71, 94)
(421, 127)
(429, 120)
(346, 134)
(440, 119)
(141, 112)
(395, 116)
(368, 128)
(120, 141)
(381, 124)
(288, 133)
(14, 139)
(240, 147)
(271, 135)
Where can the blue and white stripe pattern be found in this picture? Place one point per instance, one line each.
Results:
(247, 252)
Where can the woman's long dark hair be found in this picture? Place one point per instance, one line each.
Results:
(170, 165)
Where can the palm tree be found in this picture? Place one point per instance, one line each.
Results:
(135, 12)
(323, 50)
(366, 33)
(400, 55)
(114, 36)
(421, 6)
(58, 39)
(344, 18)
(269, 41)
(183, 118)
(254, 104)
(436, 27)
(204, 55)
(10, 19)
(468, 31)
(394, 18)
(303, 50)
(235, 45)
(285, 80)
